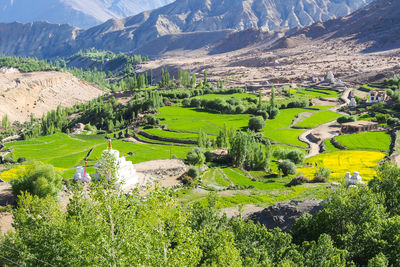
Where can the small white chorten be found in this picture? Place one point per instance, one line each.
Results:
(330, 77)
(81, 175)
(353, 103)
(353, 179)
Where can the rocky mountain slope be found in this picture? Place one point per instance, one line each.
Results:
(24, 93)
(377, 26)
(359, 48)
(183, 16)
(79, 13)
(40, 39)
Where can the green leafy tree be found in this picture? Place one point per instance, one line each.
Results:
(193, 81)
(195, 157)
(354, 218)
(287, 167)
(5, 124)
(203, 139)
(388, 184)
(256, 123)
(38, 179)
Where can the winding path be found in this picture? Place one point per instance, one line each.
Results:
(324, 131)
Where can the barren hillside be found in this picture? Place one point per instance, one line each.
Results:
(24, 93)
(358, 48)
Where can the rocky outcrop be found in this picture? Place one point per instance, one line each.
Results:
(284, 215)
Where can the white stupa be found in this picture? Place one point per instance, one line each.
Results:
(82, 175)
(330, 77)
(353, 103)
(125, 174)
(353, 179)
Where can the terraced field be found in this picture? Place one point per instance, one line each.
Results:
(262, 193)
(313, 93)
(167, 134)
(319, 118)
(379, 141)
(65, 152)
(227, 96)
(192, 120)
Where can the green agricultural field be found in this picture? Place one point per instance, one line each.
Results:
(265, 192)
(65, 152)
(284, 119)
(227, 96)
(192, 120)
(318, 118)
(286, 136)
(329, 147)
(167, 134)
(379, 141)
(215, 177)
(279, 129)
(313, 93)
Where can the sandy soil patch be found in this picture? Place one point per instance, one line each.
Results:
(165, 171)
(244, 211)
(39, 92)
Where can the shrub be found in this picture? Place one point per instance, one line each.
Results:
(40, 179)
(240, 109)
(256, 123)
(193, 172)
(186, 102)
(195, 157)
(393, 121)
(298, 180)
(298, 103)
(187, 180)
(322, 175)
(381, 118)
(345, 119)
(296, 156)
(287, 167)
(9, 158)
(151, 119)
(273, 112)
(378, 107)
(263, 114)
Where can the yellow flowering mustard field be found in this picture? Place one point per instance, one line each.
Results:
(340, 162)
(18, 172)
(14, 173)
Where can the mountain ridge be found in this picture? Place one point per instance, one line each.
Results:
(83, 14)
(183, 16)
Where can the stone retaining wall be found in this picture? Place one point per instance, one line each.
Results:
(336, 144)
(166, 139)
